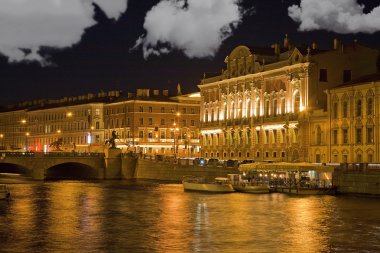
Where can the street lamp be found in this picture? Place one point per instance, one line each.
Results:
(2, 140)
(176, 134)
(26, 141)
(90, 139)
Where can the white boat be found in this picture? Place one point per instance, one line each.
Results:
(4, 192)
(220, 185)
(241, 185)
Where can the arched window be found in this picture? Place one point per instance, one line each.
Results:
(232, 116)
(345, 109)
(275, 107)
(369, 106)
(359, 108)
(283, 105)
(319, 135)
(335, 110)
(258, 107)
(225, 111)
(297, 101)
(266, 107)
(240, 109)
(248, 109)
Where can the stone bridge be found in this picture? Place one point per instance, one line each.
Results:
(59, 165)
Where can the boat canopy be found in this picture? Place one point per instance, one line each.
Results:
(286, 167)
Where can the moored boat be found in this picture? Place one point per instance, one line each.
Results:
(294, 178)
(4, 192)
(305, 190)
(220, 185)
(247, 186)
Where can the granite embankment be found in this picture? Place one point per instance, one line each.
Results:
(357, 180)
(175, 171)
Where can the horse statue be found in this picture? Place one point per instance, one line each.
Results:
(111, 142)
(56, 145)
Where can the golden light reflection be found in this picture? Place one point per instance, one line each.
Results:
(75, 213)
(173, 226)
(304, 233)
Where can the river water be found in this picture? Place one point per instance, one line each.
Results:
(119, 216)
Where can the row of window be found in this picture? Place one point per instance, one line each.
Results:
(358, 108)
(269, 137)
(335, 158)
(267, 154)
(115, 123)
(369, 136)
(41, 117)
(346, 77)
(162, 134)
(149, 109)
(74, 126)
(72, 140)
(271, 108)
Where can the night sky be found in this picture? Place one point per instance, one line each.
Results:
(103, 59)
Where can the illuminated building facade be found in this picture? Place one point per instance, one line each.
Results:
(77, 121)
(153, 123)
(349, 131)
(259, 108)
(13, 129)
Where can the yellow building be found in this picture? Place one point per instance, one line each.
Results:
(259, 107)
(76, 121)
(155, 124)
(349, 132)
(13, 129)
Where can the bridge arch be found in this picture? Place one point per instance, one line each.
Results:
(71, 171)
(13, 168)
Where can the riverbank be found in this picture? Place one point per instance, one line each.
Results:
(357, 180)
(175, 171)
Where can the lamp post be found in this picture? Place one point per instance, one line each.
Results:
(2, 140)
(286, 127)
(26, 141)
(90, 141)
(177, 136)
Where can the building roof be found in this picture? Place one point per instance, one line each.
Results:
(364, 79)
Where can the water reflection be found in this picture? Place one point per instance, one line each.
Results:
(145, 217)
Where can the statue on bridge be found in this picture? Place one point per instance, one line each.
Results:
(56, 145)
(111, 142)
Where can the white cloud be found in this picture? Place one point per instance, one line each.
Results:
(31, 24)
(197, 27)
(340, 16)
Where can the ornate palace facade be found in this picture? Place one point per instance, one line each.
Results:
(260, 106)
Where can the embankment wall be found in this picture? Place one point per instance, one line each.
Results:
(158, 170)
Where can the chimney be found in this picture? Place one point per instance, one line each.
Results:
(286, 41)
(130, 95)
(337, 44)
(276, 48)
(165, 93)
(314, 46)
(156, 92)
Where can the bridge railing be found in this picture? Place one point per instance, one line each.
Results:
(17, 154)
(73, 154)
(50, 154)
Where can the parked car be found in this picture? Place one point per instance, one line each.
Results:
(200, 161)
(212, 162)
(232, 163)
(247, 161)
